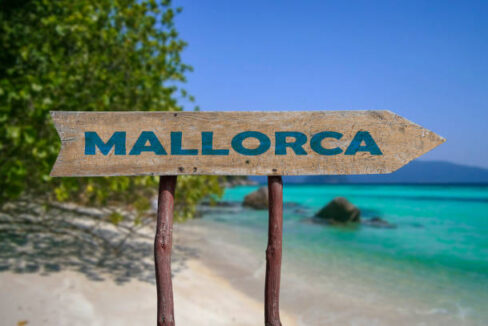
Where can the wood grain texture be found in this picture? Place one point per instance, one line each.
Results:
(163, 242)
(400, 142)
(274, 252)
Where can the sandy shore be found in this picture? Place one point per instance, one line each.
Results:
(70, 269)
(70, 298)
(64, 271)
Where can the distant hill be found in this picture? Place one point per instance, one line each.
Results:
(428, 172)
(414, 172)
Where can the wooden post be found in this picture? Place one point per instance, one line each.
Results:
(162, 250)
(273, 252)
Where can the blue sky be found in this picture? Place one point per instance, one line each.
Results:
(424, 60)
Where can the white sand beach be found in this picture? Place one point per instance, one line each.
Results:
(62, 282)
(69, 269)
(69, 298)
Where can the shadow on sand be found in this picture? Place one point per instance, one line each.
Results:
(40, 239)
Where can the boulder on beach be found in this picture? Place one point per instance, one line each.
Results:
(340, 210)
(257, 199)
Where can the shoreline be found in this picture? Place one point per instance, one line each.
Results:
(326, 299)
(69, 277)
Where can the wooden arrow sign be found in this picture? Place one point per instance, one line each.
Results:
(237, 143)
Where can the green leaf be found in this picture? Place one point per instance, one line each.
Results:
(91, 56)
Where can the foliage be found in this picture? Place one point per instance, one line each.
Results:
(91, 56)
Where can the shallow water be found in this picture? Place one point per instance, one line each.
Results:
(434, 263)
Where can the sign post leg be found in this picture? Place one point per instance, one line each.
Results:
(273, 252)
(162, 250)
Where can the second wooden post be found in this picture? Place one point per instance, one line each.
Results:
(163, 243)
(273, 252)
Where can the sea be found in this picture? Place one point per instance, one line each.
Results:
(432, 263)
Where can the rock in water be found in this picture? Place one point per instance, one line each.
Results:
(257, 199)
(378, 222)
(340, 210)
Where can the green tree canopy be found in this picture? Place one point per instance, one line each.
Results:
(90, 56)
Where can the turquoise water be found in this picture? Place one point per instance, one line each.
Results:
(437, 255)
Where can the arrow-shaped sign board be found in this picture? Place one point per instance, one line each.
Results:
(237, 143)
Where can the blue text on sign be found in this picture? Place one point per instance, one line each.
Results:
(149, 142)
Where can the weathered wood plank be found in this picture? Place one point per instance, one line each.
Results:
(175, 143)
